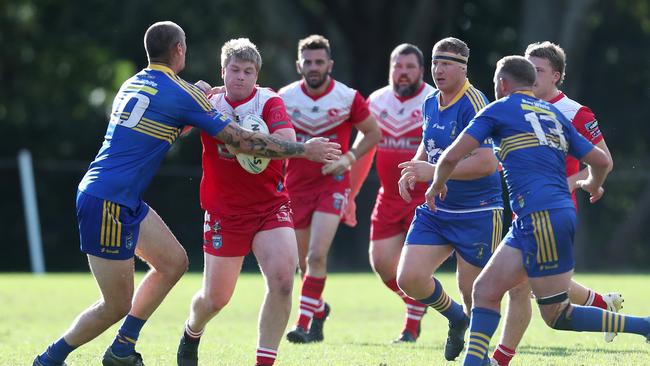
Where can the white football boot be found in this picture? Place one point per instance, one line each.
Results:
(614, 303)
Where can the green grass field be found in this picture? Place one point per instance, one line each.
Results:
(365, 317)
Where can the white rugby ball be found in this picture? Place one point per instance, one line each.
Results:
(250, 163)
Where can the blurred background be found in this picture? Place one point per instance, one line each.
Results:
(63, 61)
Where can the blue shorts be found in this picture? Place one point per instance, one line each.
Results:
(106, 229)
(474, 235)
(545, 239)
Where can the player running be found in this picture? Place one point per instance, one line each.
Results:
(532, 139)
(318, 105)
(550, 62)
(397, 108)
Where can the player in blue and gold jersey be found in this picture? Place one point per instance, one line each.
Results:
(148, 114)
(532, 139)
(469, 221)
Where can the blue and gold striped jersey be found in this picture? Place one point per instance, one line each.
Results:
(532, 139)
(149, 112)
(442, 125)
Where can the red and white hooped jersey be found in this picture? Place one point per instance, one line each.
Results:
(228, 189)
(400, 120)
(583, 120)
(330, 115)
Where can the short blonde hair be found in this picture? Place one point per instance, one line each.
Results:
(241, 49)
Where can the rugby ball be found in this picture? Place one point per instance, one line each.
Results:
(250, 163)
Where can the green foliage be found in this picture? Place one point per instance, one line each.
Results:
(365, 317)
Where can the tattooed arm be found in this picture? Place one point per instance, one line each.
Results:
(258, 144)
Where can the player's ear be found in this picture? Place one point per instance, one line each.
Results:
(223, 73)
(298, 69)
(331, 65)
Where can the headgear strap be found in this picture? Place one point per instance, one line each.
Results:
(450, 56)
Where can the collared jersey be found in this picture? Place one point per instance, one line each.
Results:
(330, 115)
(532, 139)
(226, 188)
(442, 125)
(148, 113)
(400, 120)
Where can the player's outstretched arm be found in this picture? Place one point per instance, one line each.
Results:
(317, 149)
(584, 173)
(598, 164)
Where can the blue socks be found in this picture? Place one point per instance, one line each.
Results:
(124, 343)
(481, 328)
(56, 353)
(592, 319)
(440, 301)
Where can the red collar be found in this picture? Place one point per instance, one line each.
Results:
(316, 97)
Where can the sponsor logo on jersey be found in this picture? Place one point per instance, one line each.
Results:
(400, 143)
(592, 128)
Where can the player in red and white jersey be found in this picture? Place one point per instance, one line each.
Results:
(550, 62)
(397, 108)
(320, 106)
(244, 212)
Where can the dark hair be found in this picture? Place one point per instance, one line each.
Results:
(451, 44)
(314, 42)
(160, 38)
(518, 69)
(407, 49)
(551, 52)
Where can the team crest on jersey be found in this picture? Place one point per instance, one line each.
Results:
(217, 241)
(283, 214)
(383, 114)
(339, 201)
(295, 114)
(314, 109)
(480, 253)
(128, 240)
(333, 113)
(453, 129)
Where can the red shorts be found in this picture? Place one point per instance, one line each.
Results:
(232, 236)
(391, 216)
(329, 201)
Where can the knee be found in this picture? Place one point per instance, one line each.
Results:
(115, 310)
(281, 285)
(519, 293)
(216, 301)
(409, 282)
(482, 292)
(316, 259)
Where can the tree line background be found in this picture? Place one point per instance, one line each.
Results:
(62, 62)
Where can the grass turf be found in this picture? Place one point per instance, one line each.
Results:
(35, 310)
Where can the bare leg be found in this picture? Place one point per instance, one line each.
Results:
(277, 255)
(167, 259)
(384, 256)
(115, 281)
(219, 279)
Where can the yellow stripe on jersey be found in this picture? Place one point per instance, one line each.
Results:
(497, 229)
(144, 88)
(537, 110)
(472, 100)
(193, 91)
(157, 130)
(479, 97)
(103, 228)
(473, 95)
(541, 253)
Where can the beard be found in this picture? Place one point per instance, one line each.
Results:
(315, 83)
(406, 90)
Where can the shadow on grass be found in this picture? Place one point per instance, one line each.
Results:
(565, 351)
